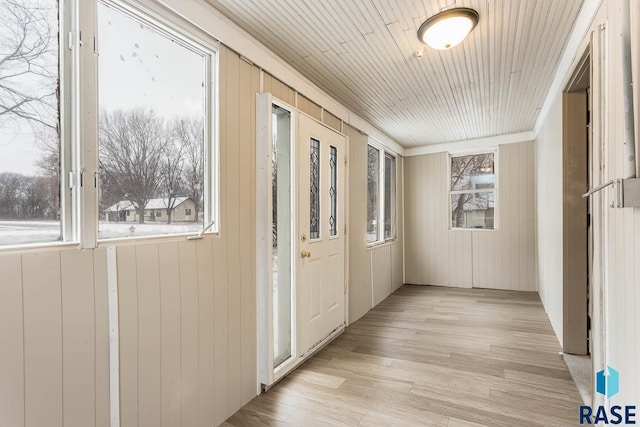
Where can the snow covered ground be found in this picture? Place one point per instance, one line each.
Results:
(110, 230)
(21, 232)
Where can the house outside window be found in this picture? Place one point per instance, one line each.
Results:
(152, 149)
(473, 191)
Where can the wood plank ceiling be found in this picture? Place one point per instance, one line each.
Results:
(363, 53)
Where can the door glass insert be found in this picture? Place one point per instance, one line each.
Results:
(333, 190)
(314, 167)
(282, 235)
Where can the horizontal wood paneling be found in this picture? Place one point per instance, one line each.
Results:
(500, 259)
(363, 55)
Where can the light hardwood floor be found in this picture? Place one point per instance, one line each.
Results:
(431, 356)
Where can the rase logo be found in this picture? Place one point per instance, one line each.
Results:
(608, 385)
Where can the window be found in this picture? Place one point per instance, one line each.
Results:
(389, 196)
(381, 195)
(473, 191)
(155, 96)
(33, 139)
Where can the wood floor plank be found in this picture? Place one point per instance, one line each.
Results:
(431, 356)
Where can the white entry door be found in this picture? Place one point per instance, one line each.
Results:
(321, 227)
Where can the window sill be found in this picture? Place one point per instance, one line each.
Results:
(122, 241)
(472, 229)
(38, 247)
(389, 242)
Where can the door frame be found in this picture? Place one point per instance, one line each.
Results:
(267, 376)
(575, 210)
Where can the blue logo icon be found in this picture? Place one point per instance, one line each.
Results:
(608, 382)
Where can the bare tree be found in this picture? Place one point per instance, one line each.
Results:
(131, 146)
(172, 171)
(28, 62)
(463, 171)
(190, 134)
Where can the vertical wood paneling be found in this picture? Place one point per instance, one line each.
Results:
(500, 259)
(189, 334)
(149, 335)
(170, 343)
(12, 387)
(381, 277)
(373, 272)
(101, 315)
(128, 328)
(211, 346)
(246, 305)
(42, 339)
(309, 107)
(78, 338)
(359, 259)
(278, 89)
(331, 121)
(240, 181)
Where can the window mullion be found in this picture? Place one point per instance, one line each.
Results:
(88, 125)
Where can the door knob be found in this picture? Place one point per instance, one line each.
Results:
(305, 254)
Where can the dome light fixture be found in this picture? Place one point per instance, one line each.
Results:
(448, 28)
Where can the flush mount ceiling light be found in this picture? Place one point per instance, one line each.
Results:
(448, 28)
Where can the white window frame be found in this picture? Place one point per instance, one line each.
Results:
(495, 188)
(173, 27)
(380, 240)
(78, 119)
(68, 110)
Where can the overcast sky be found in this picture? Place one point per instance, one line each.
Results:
(138, 67)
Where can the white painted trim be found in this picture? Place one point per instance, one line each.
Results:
(473, 145)
(114, 337)
(213, 22)
(572, 50)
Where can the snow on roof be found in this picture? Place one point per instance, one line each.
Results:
(161, 203)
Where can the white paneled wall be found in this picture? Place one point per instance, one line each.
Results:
(53, 329)
(616, 325)
(500, 259)
(187, 309)
(374, 273)
(549, 214)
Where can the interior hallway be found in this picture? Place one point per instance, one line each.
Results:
(431, 356)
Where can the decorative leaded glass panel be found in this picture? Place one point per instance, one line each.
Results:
(333, 190)
(314, 190)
